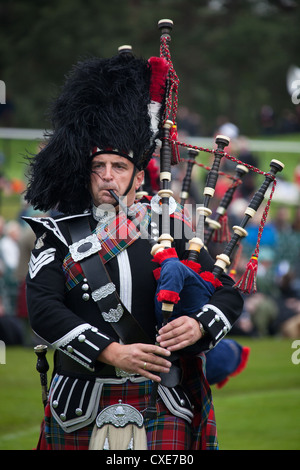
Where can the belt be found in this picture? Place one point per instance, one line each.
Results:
(67, 366)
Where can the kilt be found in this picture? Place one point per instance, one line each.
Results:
(165, 432)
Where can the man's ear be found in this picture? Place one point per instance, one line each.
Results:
(139, 179)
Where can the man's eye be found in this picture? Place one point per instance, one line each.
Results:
(120, 167)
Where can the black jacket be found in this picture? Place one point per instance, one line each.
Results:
(60, 314)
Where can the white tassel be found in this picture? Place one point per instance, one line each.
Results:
(111, 438)
(119, 427)
(98, 438)
(139, 438)
(153, 109)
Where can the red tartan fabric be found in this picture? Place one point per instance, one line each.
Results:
(204, 423)
(166, 432)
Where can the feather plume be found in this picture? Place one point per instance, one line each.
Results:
(103, 103)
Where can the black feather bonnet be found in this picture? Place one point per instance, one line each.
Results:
(104, 103)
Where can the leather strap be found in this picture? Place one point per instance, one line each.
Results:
(127, 328)
(103, 290)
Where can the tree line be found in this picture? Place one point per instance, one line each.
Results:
(231, 56)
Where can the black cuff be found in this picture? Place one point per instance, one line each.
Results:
(214, 322)
(83, 344)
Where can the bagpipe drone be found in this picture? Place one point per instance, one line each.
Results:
(181, 284)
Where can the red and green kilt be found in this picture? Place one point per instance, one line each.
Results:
(166, 432)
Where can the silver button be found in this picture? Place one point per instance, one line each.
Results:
(85, 297)
(78, 411)
(81, 338)
(62, 417)
(182, 402)
(55, 404)
(85, 287)
(69, 349)
(217, 317)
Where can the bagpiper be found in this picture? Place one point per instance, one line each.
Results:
(92, 281)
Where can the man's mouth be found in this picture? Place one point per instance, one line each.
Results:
(107, 190)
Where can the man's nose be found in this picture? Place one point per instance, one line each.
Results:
(107, 173)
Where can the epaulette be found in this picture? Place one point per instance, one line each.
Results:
(51, 224)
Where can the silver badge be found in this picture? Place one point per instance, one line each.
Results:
(120, 415)
(40, 241)
(103, 291)
(114, 314)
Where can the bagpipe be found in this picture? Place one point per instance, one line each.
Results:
(181, 287)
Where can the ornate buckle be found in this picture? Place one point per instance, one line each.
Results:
(85, 247)
(122, 373)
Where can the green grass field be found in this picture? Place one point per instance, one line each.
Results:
(260, 408)
(257, 410)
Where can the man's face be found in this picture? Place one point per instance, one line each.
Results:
(113, 172)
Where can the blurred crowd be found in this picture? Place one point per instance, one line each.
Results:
(273, 310)
(16, 243)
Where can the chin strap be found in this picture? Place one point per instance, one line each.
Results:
(131, 181)
(116, 203)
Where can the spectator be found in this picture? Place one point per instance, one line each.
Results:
(9, 257)
(267, 119)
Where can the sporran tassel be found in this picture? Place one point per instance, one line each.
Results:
(109, 437)
(119, 427)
